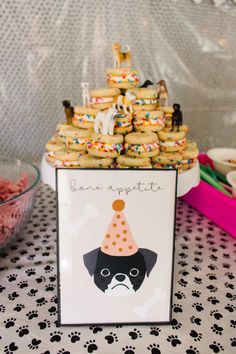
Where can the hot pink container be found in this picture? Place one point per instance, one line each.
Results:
(214, 204)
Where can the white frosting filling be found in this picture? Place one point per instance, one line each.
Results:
(173, 143)
(142, 101)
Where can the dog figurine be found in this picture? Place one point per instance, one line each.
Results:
(146, 84)
(125, 102)
(105, 121)
(69, 111)
(85, 93)
(119, 56)
(177, 117)
(117, 275)
(162, 93)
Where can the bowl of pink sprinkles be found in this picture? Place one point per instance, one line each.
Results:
(19, 182)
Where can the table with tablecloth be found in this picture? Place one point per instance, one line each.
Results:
(204, 294)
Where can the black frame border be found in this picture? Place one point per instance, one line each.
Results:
(59, 324)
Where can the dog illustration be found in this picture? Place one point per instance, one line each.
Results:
(117, 275)
(146, 84)
(85, 93)
(162, 93)
(69, 111)
(119, 56)
(119, 267)
(105, 121)
(177, 117)
(125, 102)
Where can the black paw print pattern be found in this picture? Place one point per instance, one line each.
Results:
(203, 307)
(154, 348)
(135, 334)
(111, 338)
(74, 336)
(91, 346)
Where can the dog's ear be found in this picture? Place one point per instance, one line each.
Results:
(150, 259)
(90, 260)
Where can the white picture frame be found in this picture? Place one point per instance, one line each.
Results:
(115, 234)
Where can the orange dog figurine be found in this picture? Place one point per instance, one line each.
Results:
(119, 56)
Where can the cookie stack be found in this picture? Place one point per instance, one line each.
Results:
(142, 135)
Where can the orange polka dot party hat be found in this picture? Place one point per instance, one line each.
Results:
(118, 240)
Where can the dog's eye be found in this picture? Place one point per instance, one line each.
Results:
(105, 272)
(134, 272)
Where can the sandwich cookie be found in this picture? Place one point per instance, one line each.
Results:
(191, 143)
(141, 144)
(146, 99)
(148, 121)
(61, 127)
(171, 141)
(103, 98)
(123, 124)
(122, 77)
(54, 144)
(168, 160)
(64, 158)
(182, 128)
(89, 161)
(125, 161)
(76, 139)
(189, 157)
(168, 112)
(84, 117)
(105, 145)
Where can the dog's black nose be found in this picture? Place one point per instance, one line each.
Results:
(120, 277)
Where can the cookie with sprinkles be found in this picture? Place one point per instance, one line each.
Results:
(168, 160)
(124, 78)
(64, 157)
(75, 138)
(125, 161)
(145, 121)
(172, 141)
(146, 99)
(189, 157)
(141, 144)
(123, 124)
(90, 161)
(54, 144)
(84, 117)
(103, 98)
(105, 145)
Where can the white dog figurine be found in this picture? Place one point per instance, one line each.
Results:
(105, 121)
(85, 93)
(124, 102)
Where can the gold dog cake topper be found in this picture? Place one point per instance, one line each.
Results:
(119, 57)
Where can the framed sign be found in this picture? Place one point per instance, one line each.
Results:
(115, 245)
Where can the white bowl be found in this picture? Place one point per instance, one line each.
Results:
(231, 178)
(219, 156)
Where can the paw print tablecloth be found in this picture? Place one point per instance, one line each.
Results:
(204, 295)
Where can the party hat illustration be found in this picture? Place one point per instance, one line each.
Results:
(118, 240)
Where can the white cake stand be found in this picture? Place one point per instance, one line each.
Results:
(186, 180)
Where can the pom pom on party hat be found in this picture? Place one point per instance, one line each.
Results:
(118, 240)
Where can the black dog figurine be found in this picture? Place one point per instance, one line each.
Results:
(146, 84)
(116, 274)
(69, 111)
(177, 117)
